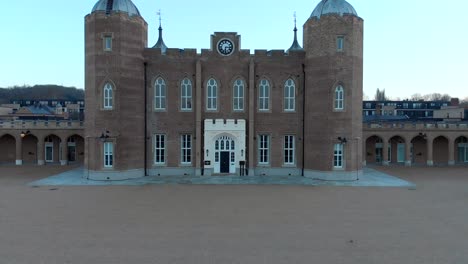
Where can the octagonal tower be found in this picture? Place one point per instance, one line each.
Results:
(115, 37)
(333, 42)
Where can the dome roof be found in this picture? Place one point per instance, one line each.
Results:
(110, 6)
(339, 7)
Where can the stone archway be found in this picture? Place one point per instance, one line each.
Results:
(30, 149)
(374, 150)
(419, 146)
(461, 150)
(397, 149)
(52, 151)
(8, 149)
(75, 149)
(223, 131)
(441, 150)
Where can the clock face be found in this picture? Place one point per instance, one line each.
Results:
(225, 47)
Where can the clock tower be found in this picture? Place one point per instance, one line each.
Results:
(225, 43)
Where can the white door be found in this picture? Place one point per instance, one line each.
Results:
(401, 152)
(49, 152)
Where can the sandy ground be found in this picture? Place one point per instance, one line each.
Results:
(235, 224)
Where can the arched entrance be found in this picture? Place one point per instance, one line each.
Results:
(461, 147)
(75, 149)
(52, 150)
(225, 155)
(7, 149)
(29, 143)
(419, 146)
(397, 149)
(374, 150)
(441, 150)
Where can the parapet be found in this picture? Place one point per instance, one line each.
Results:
(224, 124)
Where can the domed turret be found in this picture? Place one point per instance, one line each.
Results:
(110, 6)
(340, 7)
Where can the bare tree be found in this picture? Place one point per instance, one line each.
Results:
(437, 97)
(416, 97)
(380, 95)
(464, 103)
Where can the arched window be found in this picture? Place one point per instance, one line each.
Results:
(264, 95)
(160, 94)
(238, 98)
(108, 96)
(339, 98)
(186, 95)
(289, 96)
(212, 95)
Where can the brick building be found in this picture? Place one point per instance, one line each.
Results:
(164, 111)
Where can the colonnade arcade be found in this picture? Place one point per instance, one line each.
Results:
(26, 147)
(416, 149)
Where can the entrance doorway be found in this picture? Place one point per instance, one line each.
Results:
(224, 166)
(225, 151)
(401, 152)
(49, 152)
(463, 152)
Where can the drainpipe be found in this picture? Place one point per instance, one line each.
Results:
(303, 117)
(145, 64)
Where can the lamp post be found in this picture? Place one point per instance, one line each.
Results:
(104, 136)
(358, 157)
(24, 134)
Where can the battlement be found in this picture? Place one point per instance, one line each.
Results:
(224, 124)
(172, 52)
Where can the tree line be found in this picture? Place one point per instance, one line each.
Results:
(40, 92)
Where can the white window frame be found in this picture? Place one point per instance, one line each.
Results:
(339, 98)
(264, 95)
(160, 149)
(211, 95)
(186, 95)
(338, 156)
(108, 96)
(264, 149)
(340, 43)
(238, 96)
(289, 96)
(289, 148)
(160, 92)
(107, 43)
(186, 149)
(108, 154)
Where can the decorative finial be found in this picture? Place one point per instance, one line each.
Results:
(160, 18)
(295, 22)
(160, 44)
(295, 45)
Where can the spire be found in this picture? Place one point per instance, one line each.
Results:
(295, 46)
(160, 44)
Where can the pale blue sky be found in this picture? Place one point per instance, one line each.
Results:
(416, 46)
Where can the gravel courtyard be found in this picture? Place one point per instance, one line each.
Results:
(235, 224)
